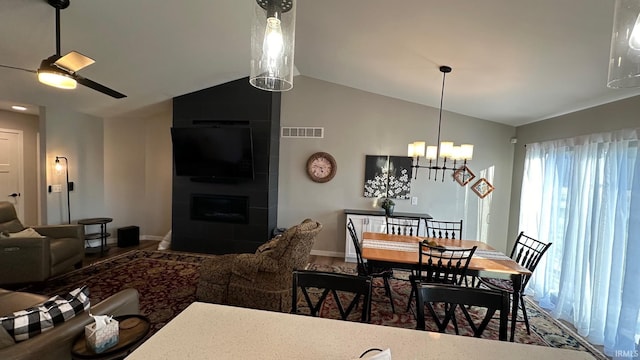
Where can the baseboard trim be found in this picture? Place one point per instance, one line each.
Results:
(327, 253)
(114, 240)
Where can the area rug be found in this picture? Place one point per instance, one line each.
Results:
(167, 281)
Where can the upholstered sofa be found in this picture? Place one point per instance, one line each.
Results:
(56, 343)
(262, 280)
(36, 258)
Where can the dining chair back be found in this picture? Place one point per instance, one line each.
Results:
(348, 292)
(402, 225)
(361, 266)
(527, 252)
(444, 229)
(365, 269)
(437, 264)
(456, 298)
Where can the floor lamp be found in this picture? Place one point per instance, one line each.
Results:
(66, 170)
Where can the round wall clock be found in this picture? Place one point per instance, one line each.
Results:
(321, 167)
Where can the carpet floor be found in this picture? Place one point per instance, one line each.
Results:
(167, 280)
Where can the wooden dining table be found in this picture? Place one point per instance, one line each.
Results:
(402, 251)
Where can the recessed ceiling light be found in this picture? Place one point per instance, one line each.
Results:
(19, 108)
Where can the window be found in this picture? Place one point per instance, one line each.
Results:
(583, 195)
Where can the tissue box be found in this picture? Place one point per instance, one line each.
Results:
(102, 339)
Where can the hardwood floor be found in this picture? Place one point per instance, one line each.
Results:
(113, 250)
(325, 260)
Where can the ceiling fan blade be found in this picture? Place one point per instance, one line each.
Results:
(98, 87)
(74, 61)
(17, 68)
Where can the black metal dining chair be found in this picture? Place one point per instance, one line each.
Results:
(446, 230)
(365, 269)
(402, 225)
(437, 264)
(527, 252)
(457, 297)
(443, 229)
(348, 292)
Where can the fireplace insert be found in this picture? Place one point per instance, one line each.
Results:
(220, 208)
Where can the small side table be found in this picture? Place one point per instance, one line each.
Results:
(133, 330)
(102, 235)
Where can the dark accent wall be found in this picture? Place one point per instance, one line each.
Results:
(240, 103)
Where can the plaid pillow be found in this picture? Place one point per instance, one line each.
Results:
(25, 324)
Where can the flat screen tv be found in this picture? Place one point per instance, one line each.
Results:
(224, 153)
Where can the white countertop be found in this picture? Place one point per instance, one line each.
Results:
(210, 331)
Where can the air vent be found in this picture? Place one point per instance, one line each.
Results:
(302, 132)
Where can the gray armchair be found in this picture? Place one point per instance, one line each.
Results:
(35, 259)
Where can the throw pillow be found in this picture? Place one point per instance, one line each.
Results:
(26, 233)
(5, 339)
(25, 324)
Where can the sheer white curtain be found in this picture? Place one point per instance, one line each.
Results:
(583, 195)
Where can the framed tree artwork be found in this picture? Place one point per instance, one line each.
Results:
(387, 176)
(463, 176)
(375, 176)
(482, 188)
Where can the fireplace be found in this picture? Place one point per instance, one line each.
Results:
(220, 208)
(229, 217)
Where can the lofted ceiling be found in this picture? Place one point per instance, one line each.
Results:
(514, 61)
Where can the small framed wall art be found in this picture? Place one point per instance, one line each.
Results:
(482, 188)
(463, 176)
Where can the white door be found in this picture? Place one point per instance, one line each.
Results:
(11, 168)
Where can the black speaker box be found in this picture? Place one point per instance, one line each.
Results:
(128, 236)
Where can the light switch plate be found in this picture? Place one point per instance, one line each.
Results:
(414, 200)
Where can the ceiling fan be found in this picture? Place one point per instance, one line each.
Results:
(61, 71)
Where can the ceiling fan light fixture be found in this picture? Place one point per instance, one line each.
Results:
(56, 79)
(272, 45)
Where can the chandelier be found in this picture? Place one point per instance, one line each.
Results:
(457, 155)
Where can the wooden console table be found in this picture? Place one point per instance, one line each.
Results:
(102, 235)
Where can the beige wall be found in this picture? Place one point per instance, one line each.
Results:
(138, 169)
(79, 138)
(121, 167)
(622, 114)
(357, 124)
(28, 124)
